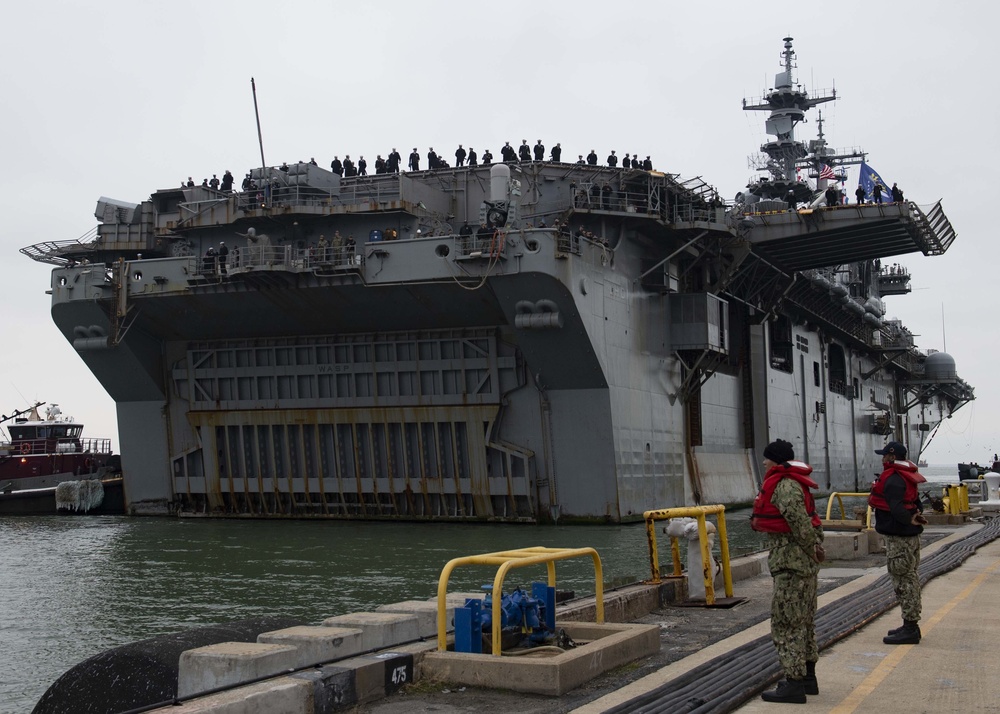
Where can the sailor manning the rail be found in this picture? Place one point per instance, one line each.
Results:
(786, 511)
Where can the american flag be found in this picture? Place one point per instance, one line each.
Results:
(825, 172)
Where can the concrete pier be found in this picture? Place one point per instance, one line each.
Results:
(363, 681)
(374, 675)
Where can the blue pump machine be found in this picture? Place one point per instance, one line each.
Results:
(525, 620)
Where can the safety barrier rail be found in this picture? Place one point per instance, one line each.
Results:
(698, 512)
(506, 560)
(839, 496)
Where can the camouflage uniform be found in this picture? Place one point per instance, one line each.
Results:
(793, 605)
(902, 554)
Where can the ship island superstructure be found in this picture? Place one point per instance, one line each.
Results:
(530, 341)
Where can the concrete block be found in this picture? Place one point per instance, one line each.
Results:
(875, 542)
(425, 612)
(284, 694)
(332, 688)
(378, 629)
(748, 566)
(946, 519)
(229, 663)
(845, 546)
(458, 599)
(585, 608)
(358, 680)
(379, 675)
(611, 646)
(627, 603)
(417, 649)
(316, 644)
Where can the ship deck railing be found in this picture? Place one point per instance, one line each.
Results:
(57, 446)
(62, 252)
(483, 246)
(286, 258)
(381, 189)
(331, 260)
(643, 194)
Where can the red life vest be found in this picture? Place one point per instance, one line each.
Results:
(766, 518)
(906, 469)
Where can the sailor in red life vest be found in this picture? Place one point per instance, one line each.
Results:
(785, 509)
(899, 520)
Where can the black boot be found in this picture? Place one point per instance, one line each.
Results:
(908, 634)
(898, 629)
(809, 683)
(790, 691)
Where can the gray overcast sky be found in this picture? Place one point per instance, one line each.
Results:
(120, 98)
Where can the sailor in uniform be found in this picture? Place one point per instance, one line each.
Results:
(786, 510)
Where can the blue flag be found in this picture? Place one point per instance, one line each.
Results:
(868, 180)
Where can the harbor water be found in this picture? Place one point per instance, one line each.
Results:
(72, 587)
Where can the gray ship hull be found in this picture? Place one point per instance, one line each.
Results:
(601, 342)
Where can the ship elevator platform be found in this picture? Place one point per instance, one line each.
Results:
(825, 236)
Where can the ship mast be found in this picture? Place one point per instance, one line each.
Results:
(787, 103)
(820, 153)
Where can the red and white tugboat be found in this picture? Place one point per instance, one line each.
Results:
(47, 466)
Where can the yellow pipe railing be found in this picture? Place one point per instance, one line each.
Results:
(698, 512)
(839, 495)
(508, 559)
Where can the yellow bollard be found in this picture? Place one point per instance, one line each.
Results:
(953, 500)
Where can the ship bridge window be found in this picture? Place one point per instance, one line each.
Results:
(780, 334)
(837, 370)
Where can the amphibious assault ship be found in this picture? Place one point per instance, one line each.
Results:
(528, 341)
